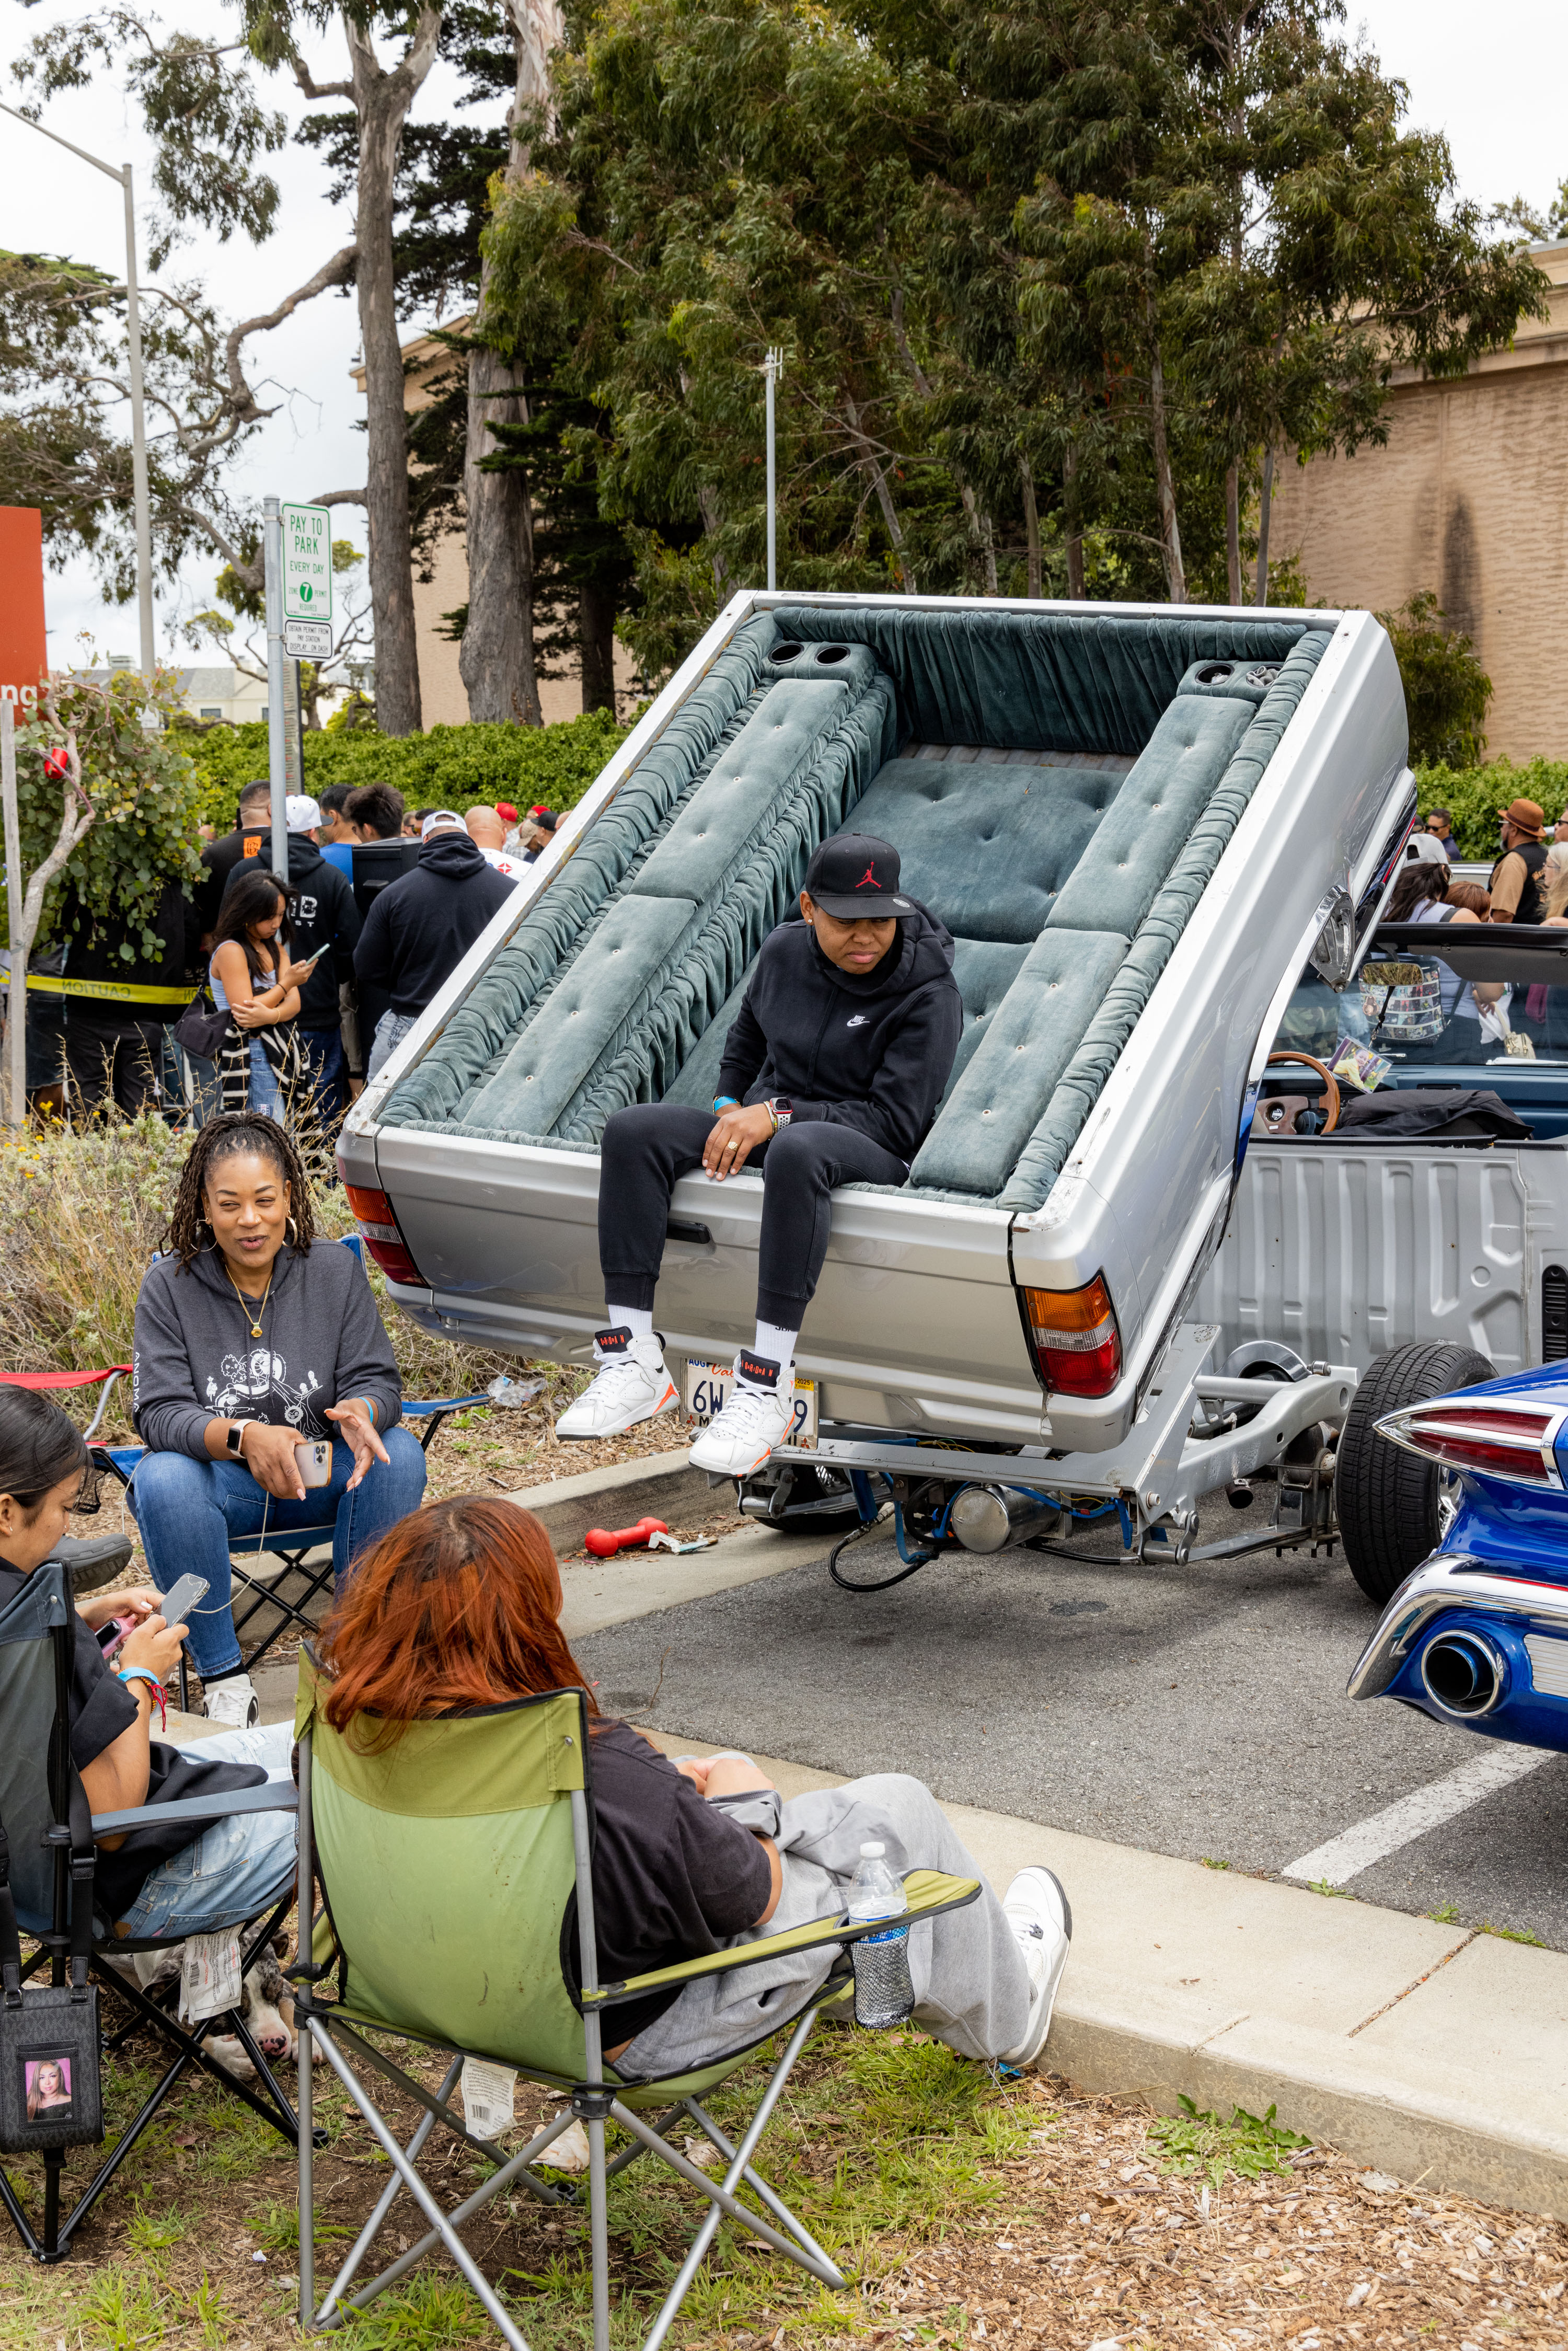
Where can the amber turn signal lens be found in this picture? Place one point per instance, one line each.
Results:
(1077, 1345)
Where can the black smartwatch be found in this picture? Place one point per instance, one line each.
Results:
(235, 1440)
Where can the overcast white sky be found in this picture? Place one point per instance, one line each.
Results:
(1492, 77)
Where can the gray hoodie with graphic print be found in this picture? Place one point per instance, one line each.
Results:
(194, 1359)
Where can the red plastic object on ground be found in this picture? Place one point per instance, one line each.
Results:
(605, 1546)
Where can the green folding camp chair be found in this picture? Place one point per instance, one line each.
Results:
(448, 1864)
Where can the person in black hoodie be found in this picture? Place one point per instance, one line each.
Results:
(831, 1075)
(119, 1005)
(420, 928)
(325, 923)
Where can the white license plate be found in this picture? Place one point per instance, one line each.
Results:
(708, 1392)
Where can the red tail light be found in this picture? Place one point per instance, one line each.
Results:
(1077, 1345)
(1495, 1441)
(383, 1235)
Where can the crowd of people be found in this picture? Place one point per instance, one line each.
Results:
(280, 978)
(258, 1349)
(1527, 884)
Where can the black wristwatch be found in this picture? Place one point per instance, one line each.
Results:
(235, 1441)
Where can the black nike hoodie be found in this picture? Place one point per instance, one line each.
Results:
(871, 1051)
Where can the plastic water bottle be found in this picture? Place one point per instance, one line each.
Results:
(884, 1992)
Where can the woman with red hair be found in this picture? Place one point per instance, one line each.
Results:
(458, 1607)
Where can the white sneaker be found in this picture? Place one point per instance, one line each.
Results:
(1037, 1911)
(760, 1415)
(234, 1702)
(632, 1384)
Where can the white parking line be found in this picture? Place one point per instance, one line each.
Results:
(1345, 1856)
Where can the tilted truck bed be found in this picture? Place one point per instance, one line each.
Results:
(1137, 822)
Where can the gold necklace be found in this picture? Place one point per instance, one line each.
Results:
(245, 1303)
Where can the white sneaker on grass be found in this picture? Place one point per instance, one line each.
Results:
(632, 1384)
(760, 1415)
(1036, 1909)
(233, 1702)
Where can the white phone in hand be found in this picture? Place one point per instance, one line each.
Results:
(177, 1604)
(315, 1461)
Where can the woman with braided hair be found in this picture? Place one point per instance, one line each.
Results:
(254, 1337)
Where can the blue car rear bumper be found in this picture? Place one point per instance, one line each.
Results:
(1475, 1646)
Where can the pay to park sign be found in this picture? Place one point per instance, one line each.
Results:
(307, 582)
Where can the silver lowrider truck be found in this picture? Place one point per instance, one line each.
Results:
(1142, 826)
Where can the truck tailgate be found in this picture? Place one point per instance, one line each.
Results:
(1343, 1253)
(507, 1237)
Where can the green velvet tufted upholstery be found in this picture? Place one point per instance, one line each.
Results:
(1055, 681)
(1243, 681)
(1010, 1078)
(1112, 885)
(725, 812)
(988, 846)
(697, 1082)
(621, 964)
(985, 969)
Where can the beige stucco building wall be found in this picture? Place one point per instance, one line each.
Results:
(443, 699)
(1469, 498)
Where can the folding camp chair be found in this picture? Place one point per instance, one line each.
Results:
(448, 1863)
(52, 1856)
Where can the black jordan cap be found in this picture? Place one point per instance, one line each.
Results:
(855, 877)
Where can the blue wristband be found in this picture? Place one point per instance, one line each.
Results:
(724, 1101)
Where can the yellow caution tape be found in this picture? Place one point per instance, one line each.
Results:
(111, 991)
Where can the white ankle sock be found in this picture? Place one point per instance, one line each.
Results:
(776, 1343)
(638, 1319)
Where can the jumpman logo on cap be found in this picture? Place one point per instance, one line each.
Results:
(868, 881)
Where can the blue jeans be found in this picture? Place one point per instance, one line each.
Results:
(236, 1867)
(322, 1050)
(390, 1030)
(189, 1512)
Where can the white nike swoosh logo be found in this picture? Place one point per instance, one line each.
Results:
(858, 1022)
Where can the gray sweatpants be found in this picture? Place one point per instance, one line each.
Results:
(971, 1989)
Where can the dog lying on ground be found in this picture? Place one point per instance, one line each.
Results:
(265, 2004)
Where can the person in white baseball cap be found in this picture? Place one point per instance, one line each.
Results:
(440, 820)
(300, 813)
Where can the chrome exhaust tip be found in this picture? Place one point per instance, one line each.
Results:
(994, 1518)
(1463, 1674)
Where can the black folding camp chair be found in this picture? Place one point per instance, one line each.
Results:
(49, 1874)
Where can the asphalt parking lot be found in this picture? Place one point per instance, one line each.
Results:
(1197, 1711)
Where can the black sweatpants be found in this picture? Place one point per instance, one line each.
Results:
(646, 1148)
(109, 1051)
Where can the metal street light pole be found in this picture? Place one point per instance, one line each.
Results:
(141, 500)
(770, 367)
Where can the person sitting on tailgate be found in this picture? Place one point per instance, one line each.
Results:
(832, 1074)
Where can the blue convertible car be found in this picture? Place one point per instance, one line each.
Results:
(1478, 1634)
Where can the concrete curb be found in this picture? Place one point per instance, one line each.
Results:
(655, 1486)
(1426, 2051)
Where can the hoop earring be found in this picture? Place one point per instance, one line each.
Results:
(292, 1229)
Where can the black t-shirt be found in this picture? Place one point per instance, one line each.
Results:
(101, 1708)
(673, 1878)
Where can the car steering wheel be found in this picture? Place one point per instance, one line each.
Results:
(1330, 1086)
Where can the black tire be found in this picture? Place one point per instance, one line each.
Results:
(1387, 1499)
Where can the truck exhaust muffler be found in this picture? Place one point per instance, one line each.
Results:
(1463, 1674)
(995, 1518)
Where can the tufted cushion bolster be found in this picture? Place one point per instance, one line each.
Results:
(713, 830)
(1141, 834)
(561, 1043)
(1032, 1035)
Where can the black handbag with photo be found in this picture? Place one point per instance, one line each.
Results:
(50, 2094)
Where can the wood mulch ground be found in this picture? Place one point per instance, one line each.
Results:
(1072, 2239)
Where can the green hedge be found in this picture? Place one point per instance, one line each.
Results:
(1474, 795)
(449, 767)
